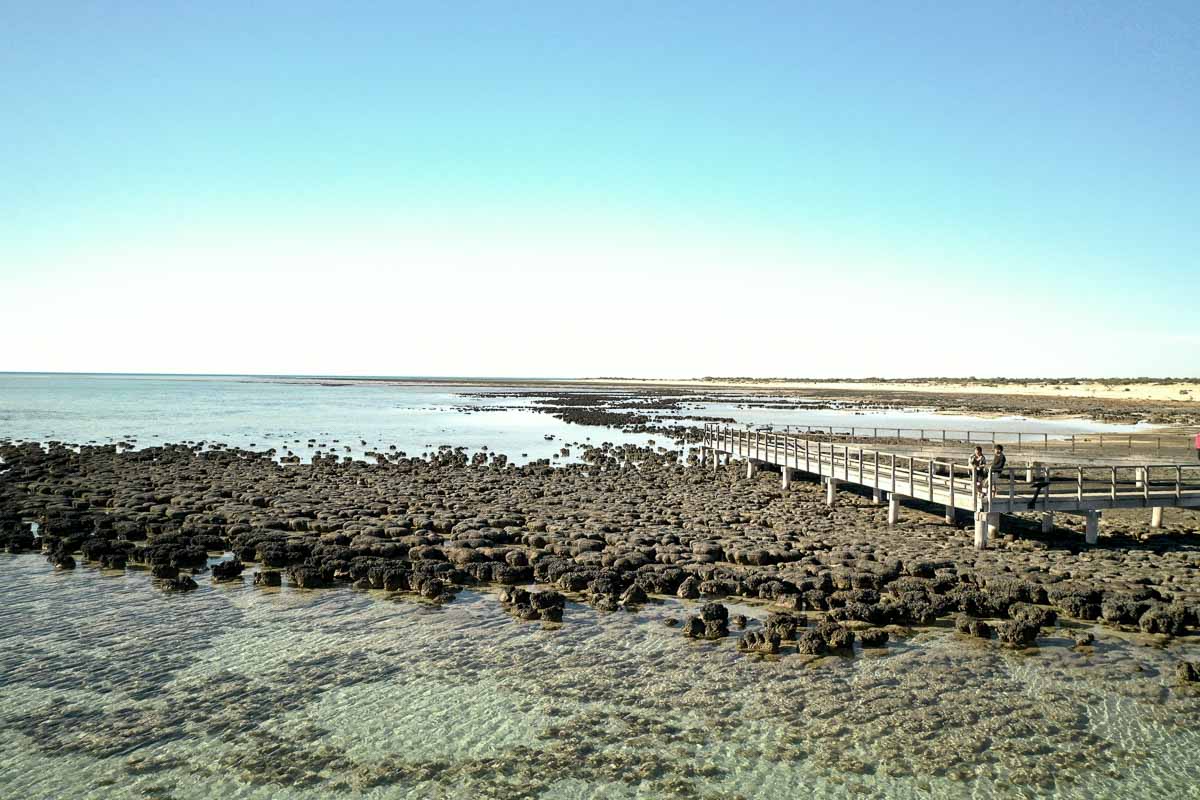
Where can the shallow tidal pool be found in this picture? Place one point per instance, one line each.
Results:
(111, 688)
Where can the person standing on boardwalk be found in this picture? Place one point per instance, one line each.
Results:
(979, 468)
(999, 460)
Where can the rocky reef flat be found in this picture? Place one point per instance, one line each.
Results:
(622, 528)
(630, 625)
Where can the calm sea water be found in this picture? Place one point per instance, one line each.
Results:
(277, 413)
(111, 689)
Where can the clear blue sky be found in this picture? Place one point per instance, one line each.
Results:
(656, 189)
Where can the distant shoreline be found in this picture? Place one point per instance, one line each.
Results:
(1168, 390)
(1163, 390)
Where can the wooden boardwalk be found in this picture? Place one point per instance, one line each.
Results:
(1086, 489)
(1064, 445)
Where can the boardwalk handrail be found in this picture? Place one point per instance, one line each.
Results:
(885, 469)
(1011, 489)
(1019, 440)
(1130, 485)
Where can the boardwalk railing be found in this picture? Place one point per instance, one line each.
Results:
(954, 483)
(1081, 488)
(1012, 440)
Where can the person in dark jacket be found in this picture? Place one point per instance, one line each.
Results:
(979, 468)
(998, 462)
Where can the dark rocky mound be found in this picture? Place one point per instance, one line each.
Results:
(622, 527)
(525, 605)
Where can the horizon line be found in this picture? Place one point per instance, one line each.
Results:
(708, 378)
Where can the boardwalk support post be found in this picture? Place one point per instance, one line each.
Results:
(993, 524)
(1091, 528)
(1047, 522)
(876, 496)
(1156, 517)
(830, 491)
(786, 481)
(750, 468)
(893, 509)
(981, 530)
(949, 514)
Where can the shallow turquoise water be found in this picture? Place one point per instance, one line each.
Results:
(110, 688)
(244, 411)
(415, 419)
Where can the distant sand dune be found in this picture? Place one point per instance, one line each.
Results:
(1112, 390)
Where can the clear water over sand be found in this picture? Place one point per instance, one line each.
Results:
(111, 688)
